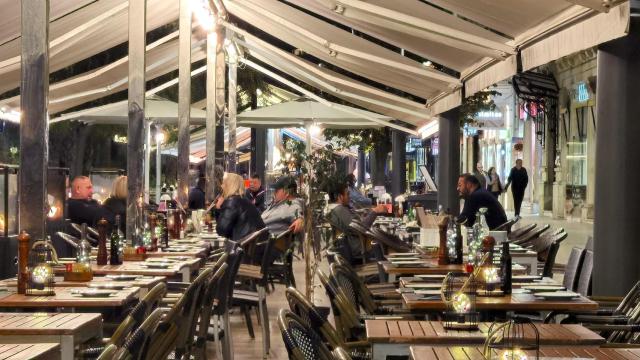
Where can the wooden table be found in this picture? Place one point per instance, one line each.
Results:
(145, 283)
(47, 351)
(431, 268)
(65, 298)
(464, 353)
(182, 268)
(393, 337)
(67, 329)
(514, 302)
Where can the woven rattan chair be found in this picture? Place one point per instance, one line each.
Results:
(137, 346)
(281, 271)
(310, 315)
(301, 342)
(346, 318)
(108, 353)
(131, 322)
(220, 313)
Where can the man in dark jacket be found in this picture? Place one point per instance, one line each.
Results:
(196, 196)
(81, 208)
(518, 176)
(256, 193)
(475, 198)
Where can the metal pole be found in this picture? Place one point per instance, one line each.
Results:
(147, 160)
(220, 105)
(449, 161)
(34, 126)
(135, 131)
(184, 100)
(211, 118)
(233, 89)
(398, 161)
(158, 163)
(309, 220)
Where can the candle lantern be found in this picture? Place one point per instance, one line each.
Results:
(516, 339)
(41, 278)
(459, 295)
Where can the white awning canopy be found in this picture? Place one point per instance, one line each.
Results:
(298, 112)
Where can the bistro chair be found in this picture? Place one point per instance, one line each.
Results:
(312, 317)
(530, 235)
(281, 270)
(357, 292)
(73, 241)
(301, 342)
(507, 225)
(586, 270)
(345, 316)
(250, 243)
(606, 313)
(131, 322)
(389, 241)
(92, 234)
(552, 252)
(255, 294)
(384, 290)
(199, 348)
(108, 353)
(172, 333)
(572, 270)
(137, 346)
(515, 234)
(221, 326)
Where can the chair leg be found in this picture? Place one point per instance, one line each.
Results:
(216, 338)
(262, 307)
(247, 318)
(228, 338)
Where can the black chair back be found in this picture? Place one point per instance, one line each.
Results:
(521, 231)
(572, 270)
(586, 270)
(226, 285)
(551, 260)
(301, 342)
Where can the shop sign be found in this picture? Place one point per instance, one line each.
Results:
(435, 146)
(582, 92)
(120, 139)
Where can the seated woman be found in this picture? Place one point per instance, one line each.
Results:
(236, 216)
(117, 202)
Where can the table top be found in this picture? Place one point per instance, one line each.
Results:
(434, 333)
(144, 282)
(65, 297)
(49, 323)
(463, 353)
(138, 268)
(45, 351)
(432, 268)
(514, 302)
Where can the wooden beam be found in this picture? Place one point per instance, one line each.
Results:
(34, 129)
(184, 100)
(210, 190)
(135, 131)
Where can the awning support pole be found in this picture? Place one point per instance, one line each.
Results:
(184, 100)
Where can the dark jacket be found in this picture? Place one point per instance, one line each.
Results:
(518, 179)
(196, 199)
(87, 211)
(117, 206)
(256, 198)
(481, 198)
(237, 218)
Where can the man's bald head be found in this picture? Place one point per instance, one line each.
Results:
(81, 188)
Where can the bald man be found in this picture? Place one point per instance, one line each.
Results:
(81, 208)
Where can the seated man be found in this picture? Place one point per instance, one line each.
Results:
(81, 207)
(357, 200)
(287, 209)
(342, 214)
(475, 198)
(256, 193)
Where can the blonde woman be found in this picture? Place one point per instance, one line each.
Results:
(236, 216)
(117, 202)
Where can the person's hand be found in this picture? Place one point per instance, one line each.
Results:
(297, 226)
(380, 209)
(219, 202)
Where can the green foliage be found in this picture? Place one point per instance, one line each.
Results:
(364, 139)
(480, 101)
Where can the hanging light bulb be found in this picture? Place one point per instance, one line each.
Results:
(513, 354)
(461, 303)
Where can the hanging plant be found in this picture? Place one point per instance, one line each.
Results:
(480, 101)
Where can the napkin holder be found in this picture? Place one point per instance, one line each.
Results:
(135, 257)
(79, 276)
(429, 229)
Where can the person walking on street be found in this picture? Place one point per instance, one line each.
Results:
(495, 185)
(519, 177)
(482, 177)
